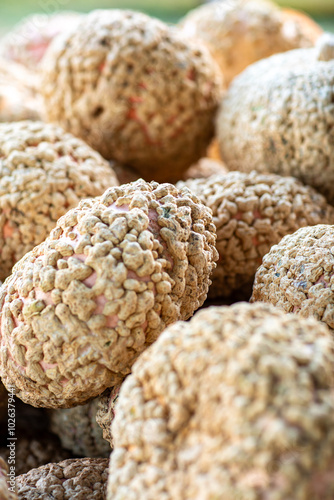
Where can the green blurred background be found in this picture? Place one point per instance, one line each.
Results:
(11, 11)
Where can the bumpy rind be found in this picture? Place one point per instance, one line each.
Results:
(298, 274)
(79, 309)
(239, 33)
(84, 478)
(275, 115)
(79, 431)
(27, 42)
(236, 403)
(252, 212)
(135, 90)
(44, 172)
(106, 411)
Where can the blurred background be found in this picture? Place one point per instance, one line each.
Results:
(11, 11)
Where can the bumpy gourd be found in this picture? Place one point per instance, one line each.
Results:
(80, 308)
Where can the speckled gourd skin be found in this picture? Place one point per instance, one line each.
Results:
(239, 33)
(79, 431)
(44, 172)
(27, 42)
(252, 212)
(135, 90)
(5, 493)
(79, 309)
(297, 274)
(236, 403)
(106, 411)
(81, 478)
(278, 116)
